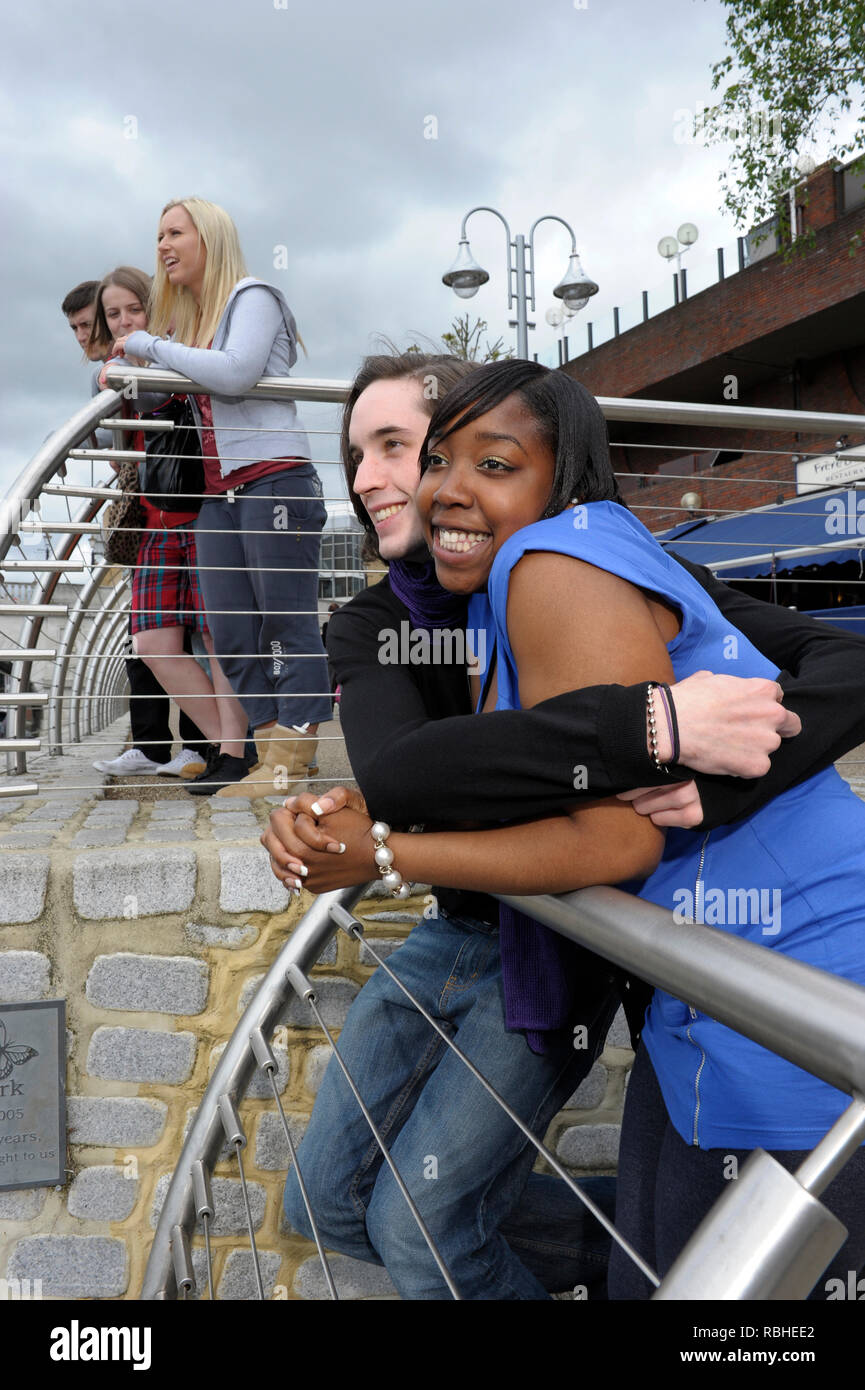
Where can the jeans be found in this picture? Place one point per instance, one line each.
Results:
(503, 1232)
(260, 556)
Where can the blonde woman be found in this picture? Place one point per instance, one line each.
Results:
(166, 599)
(258, 532)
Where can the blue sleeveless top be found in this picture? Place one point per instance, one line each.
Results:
(790, 877)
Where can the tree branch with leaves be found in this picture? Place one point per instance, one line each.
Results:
(793, 71)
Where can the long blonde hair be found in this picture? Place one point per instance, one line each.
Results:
(128, 277)
(176, 309)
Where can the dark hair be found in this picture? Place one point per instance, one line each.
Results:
(80, 298)
(569, 418)
(437, 373)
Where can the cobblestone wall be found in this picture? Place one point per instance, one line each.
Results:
(156, 921)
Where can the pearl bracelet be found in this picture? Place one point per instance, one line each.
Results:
(384, 859)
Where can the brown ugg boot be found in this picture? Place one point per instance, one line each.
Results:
(290, 756)
(285, 757)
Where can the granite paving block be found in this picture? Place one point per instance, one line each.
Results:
(334, 996)
(229, 1216)
(353, 1279)
(23, 1205)
(221, 831)
(23, 975)
(105, 1192)
(160, 984)
(238, 1282)
(141, 1054)
(134, 883)
(247, 884)
(72, 1266)
(24, 840)
(115, 1121)
(95, 836)
(23, 884)
(112, 810)
(174, 810)
(60, 811)
(271, 1149)
(259, 1086)
(589, 1146)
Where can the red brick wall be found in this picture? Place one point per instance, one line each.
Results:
(835, 383)
(727, 317)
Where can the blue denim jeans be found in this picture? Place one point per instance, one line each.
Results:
(502, 1231)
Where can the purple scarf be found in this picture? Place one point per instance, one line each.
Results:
(414, 582)
(537, 968)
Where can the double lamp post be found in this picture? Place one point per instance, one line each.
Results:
(465, 276)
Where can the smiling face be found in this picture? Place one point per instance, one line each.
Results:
(123, 310)
(483, 483)
(181, 250)
(388, 425)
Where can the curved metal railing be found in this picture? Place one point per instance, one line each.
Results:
(768, 1237)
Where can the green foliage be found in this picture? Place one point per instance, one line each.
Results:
(464, 340)
(793, 68)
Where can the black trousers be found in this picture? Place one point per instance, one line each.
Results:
(148, 713)
(665, 1187)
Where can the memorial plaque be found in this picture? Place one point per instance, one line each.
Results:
(33, 1094)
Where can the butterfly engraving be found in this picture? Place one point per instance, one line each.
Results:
(12, 1054)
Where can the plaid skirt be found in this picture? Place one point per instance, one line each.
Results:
(165, 588)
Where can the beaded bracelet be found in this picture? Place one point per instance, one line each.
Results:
(391, 877)
(672, 724)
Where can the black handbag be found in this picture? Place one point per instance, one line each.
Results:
(172, 475)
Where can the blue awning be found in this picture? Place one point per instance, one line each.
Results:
(818, 529)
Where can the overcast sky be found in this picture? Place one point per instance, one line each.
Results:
(309, 123)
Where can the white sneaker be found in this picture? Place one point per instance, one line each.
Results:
(186, 764)
(132, 763)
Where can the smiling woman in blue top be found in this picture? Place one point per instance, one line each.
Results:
(258, 533)
(521, 512)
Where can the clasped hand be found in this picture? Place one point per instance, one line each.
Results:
(321, 842)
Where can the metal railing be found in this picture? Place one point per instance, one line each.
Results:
(768, 1237)
(88, 701)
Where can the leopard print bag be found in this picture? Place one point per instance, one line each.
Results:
(124, 520)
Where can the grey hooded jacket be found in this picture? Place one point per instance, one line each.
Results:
(255, 337)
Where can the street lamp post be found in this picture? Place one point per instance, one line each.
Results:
(465, 276)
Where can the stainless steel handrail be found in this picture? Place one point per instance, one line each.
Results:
(744, 985)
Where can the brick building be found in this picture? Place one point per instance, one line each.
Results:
(785, 334)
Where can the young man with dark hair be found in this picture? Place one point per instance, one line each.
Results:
(79, 308)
